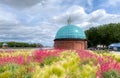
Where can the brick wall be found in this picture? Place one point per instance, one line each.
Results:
(71, 44)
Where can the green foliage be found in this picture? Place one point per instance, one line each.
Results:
(101, 51)
(66, 66)
(88, 71)
(53, 71)
(14, 71)
(21, 44)
(56, 70)
(111, 74)
(69, 64)
(103, 34)
(49, 60)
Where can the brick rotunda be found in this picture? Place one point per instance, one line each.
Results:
(70, 37)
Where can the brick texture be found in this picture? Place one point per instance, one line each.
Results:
(71, 44)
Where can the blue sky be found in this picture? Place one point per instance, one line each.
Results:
(37, 21)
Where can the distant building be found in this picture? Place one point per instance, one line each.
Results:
(114, 47)
(39, 45)
(4, 45)
(70, 37)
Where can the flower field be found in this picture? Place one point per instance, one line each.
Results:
(58, 64)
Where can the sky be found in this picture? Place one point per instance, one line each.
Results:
(37, 21)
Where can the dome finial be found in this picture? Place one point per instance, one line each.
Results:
(69, 20)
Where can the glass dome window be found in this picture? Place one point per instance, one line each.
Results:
(70, 32)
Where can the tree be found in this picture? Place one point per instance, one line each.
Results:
(103, 34)
(21, 44)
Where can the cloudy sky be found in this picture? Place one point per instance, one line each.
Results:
(37, 21)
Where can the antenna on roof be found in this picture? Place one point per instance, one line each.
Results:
(69, 20)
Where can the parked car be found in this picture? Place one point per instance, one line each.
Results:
(114, 47)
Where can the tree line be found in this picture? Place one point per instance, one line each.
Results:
(103, 34)
(21, 44)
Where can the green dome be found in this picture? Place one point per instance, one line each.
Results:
(70, 32)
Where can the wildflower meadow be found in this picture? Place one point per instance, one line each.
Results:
(58, 64)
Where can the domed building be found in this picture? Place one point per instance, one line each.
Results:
(4, 45)
(70, 37)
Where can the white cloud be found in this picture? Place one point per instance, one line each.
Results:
(75, 12)
(90, 2)
(113, 2)
(85, 20)
(21, 3)
(37, 23)
(7, 17)
(101, 17)
(29, 25)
